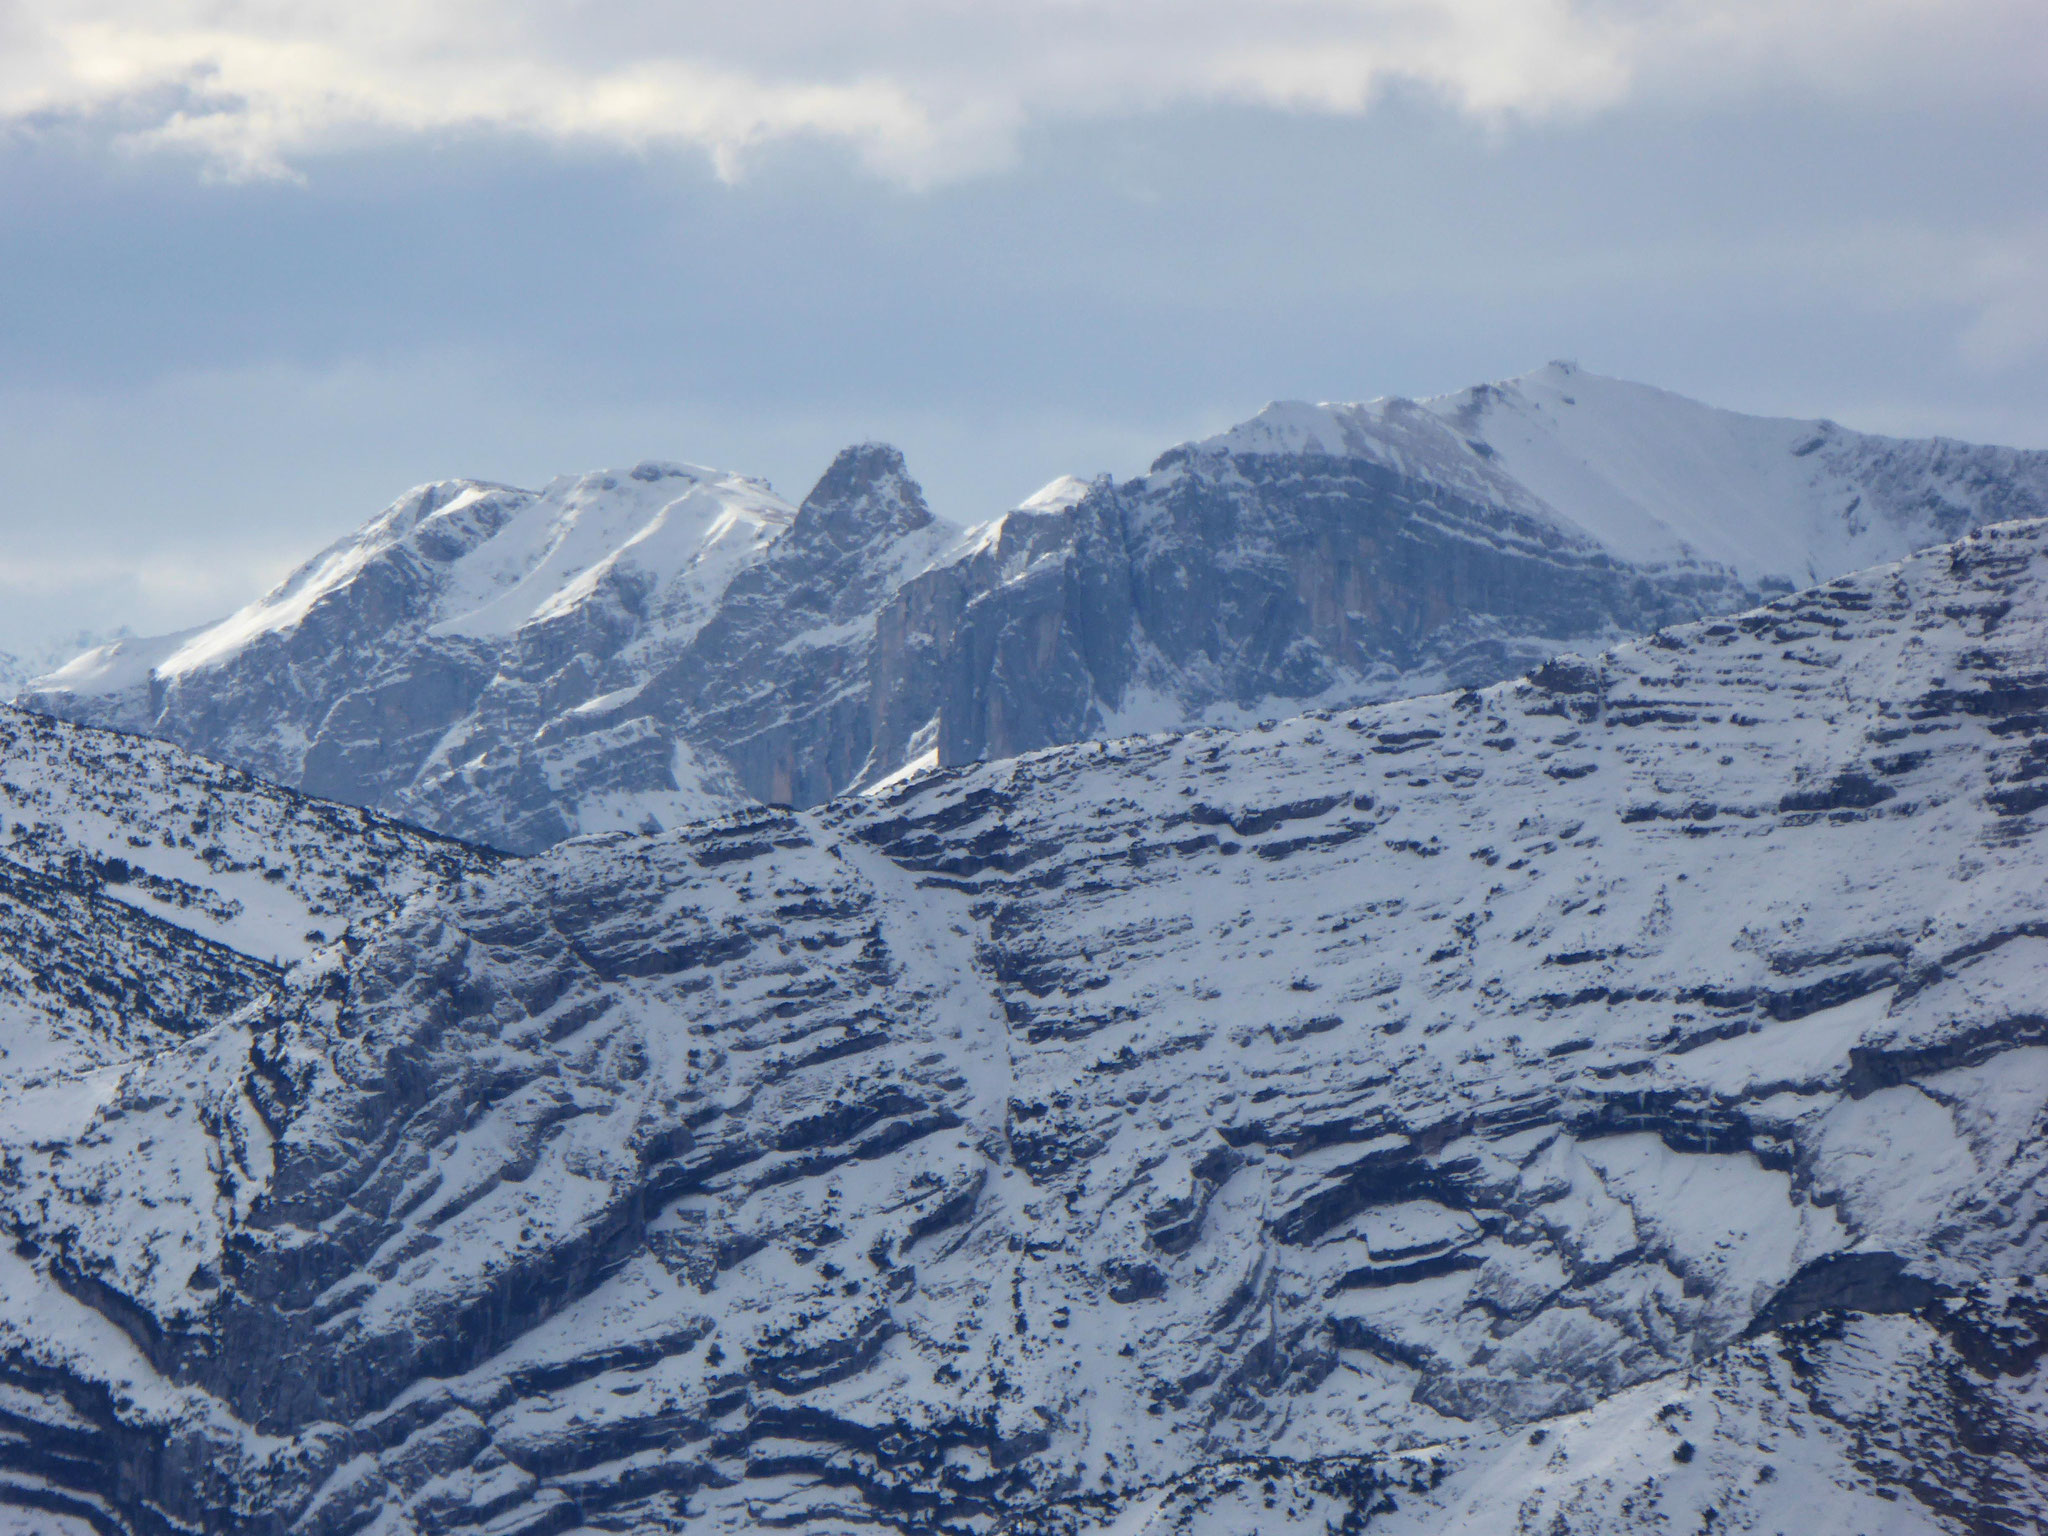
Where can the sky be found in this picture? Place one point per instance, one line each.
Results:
(268, 263)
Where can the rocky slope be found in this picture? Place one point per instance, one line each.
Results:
(1608, 1101)
(148, 892)
(635, 648)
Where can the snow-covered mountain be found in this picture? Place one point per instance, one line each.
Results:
(1610, 1101)
(632, 649)
(429, 651)
(1340, 554)
(1662, 482)
(20, 668)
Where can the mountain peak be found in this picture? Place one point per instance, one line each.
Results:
(1056, 495)
(513, 666)
(866, 492)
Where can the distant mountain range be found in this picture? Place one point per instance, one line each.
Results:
(637, 648)
(18, 669)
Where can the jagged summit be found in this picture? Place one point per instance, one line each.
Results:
(768, 678)
(866, 492)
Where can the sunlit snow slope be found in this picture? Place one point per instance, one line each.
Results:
(1660, 481)
(1610, 1101)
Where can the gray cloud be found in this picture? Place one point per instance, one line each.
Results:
(1093, 238)
(925, 90)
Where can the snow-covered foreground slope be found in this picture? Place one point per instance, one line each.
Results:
(638, 648)
(1611, 1101)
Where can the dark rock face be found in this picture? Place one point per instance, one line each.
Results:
(779, 678)
(1557, 1102)
(1846, 1282)
(1253, 584)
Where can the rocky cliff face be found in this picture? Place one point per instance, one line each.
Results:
(1341, 554)
(779, 678)
(1611, 1099)
(634, 649)
(1231, 586)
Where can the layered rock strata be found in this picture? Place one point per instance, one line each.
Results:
(1608, 1099)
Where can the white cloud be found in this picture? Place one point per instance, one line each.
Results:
(924, 90)
(52, 608)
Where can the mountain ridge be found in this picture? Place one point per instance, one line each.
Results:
(515, 667)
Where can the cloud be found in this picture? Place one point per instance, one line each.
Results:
(2008, 279)
(921, 90)
(50, 609)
